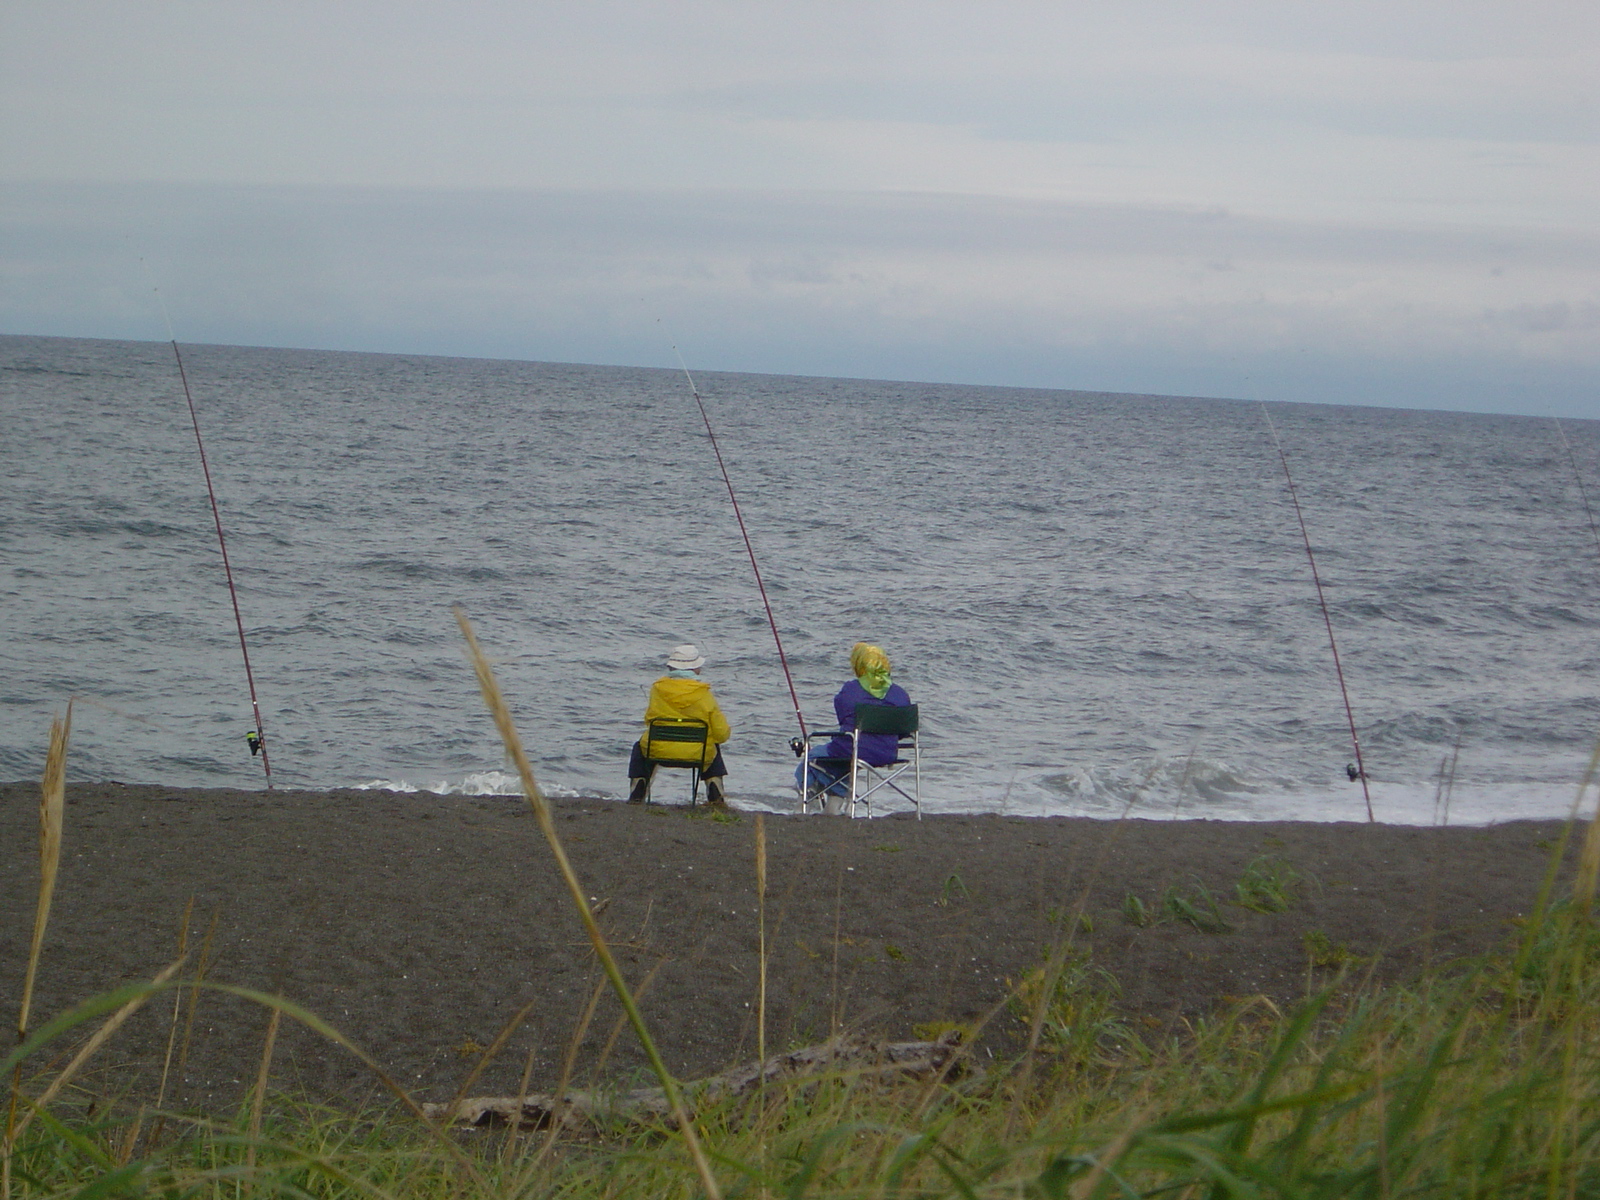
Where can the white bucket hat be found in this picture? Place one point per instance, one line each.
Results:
(685, 658)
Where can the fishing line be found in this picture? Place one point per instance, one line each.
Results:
(258, 738)
(749, 549)
(1361, 767)
(1578, 476)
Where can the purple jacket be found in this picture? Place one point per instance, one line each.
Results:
(876, 748)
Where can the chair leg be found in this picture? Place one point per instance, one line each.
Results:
(916, 758)
(812, 789)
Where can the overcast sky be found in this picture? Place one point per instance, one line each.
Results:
(1371, 202)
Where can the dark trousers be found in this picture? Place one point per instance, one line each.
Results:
(640, 767)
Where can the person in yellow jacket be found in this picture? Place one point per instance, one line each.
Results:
(682, 693)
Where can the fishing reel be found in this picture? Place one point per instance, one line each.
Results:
(798, 746)
(255, 741)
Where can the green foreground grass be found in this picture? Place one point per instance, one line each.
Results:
(1481, 1083)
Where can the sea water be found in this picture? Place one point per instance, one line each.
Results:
(1102, 603)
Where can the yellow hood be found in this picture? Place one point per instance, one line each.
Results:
(692, 698)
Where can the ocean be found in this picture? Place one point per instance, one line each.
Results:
(1101, 602)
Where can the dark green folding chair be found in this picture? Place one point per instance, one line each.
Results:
(678, 743)
(865, 779)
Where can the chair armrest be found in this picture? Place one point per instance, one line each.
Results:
(799, 747)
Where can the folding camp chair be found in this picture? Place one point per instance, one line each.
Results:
(822, 775)
(679, 743)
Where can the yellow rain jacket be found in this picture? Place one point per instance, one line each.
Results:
(671, 697)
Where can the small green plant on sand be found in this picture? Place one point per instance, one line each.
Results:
(1070, 921)
(1326, 953)
(1078, 1014)
(953, 887)
(719, 813)
(1268, 885)
(1196, 906)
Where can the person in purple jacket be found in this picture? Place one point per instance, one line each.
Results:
(829, 766)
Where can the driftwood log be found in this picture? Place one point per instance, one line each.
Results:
(846, 1056)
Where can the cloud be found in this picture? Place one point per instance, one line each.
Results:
(920, 286)
(1424, 109)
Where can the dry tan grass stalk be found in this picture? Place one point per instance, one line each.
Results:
(1583, 886)
(639, 990)
(160, 1125)
(541, 812)
(1061, 947)
(522, 1090)
(838, 917)
(259, 1099)
(761, 987)
(493, 1049)
(313, 1022)
(130, 1140)
(1086, 1186)
(177, 1006)
(1588, 865)
(1379, 1076)
(111, 1024)
(52, 806)
(965, 1048)
(568, 1061)
(202, 968)
(761, 935)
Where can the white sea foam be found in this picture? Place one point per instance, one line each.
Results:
(1158, 790)
(474, 783)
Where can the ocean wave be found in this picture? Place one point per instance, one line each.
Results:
(473, 783)
(1158, 779)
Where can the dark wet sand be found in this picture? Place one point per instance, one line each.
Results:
(418, 924)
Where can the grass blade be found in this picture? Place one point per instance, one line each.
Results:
(52, 806)
(112, 1023)
(541, 812)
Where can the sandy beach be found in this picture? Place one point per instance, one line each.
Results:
(419, 925)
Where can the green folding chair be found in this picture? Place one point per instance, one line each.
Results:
(902, 721)
(678, 743)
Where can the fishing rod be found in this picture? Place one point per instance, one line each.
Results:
(1577, 475)
(783, 659)
(258, 736)
(1360, 767)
